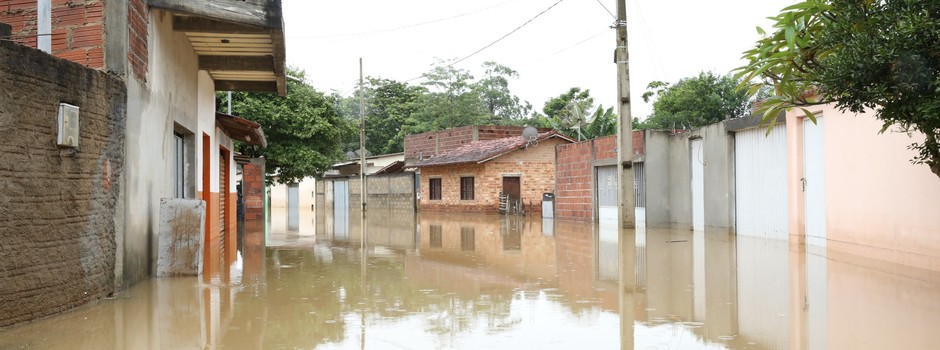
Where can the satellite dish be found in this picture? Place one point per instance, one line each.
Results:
(530, 133)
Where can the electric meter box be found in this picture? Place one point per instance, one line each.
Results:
(68, 126)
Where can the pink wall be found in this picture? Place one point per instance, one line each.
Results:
(878, 204)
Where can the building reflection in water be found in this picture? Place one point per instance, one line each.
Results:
(439, 280)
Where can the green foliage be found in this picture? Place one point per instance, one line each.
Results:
(303, 129)
(389, 105)
(859, 54)
(501, 105)
(694, 102)
(568, 113)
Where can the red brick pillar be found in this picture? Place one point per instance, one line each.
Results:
(253, 192)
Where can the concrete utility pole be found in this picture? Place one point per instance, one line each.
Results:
(626, 207)
(362, 141)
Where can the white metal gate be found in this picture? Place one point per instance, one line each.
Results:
(813, 182)
(606, 187)
(697, 160)
(760, 175)
(340, 209)
(293, 207)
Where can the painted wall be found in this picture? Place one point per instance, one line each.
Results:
(878, 204)
(175, 96)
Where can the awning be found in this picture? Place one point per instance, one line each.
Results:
(241, 129)
(239, 42)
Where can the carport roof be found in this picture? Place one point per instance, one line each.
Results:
(484, 151)
(239, 42)
(241, 129)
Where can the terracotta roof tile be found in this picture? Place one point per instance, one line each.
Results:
(482, 151)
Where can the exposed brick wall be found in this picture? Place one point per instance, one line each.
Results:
(137, 21)
(77, 28)
(57, 206)
(575, 172)
(535, 167)
(436, 142)
(253, 191)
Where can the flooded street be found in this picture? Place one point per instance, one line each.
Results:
(441, 280)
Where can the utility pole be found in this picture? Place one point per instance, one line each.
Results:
(626, 207)
(362, 142)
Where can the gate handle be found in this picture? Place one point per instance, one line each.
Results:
(803, 182)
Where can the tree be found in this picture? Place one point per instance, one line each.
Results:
(501, 105)
(695, 102)
(389, 104)
(860, 55)
(303, 130)
(562, 105)
(450, 101)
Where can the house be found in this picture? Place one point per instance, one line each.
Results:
(472, 177)
(157, 65)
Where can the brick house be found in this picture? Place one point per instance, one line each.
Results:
(170, 57)
(471, 177)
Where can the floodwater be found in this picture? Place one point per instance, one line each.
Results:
(438, 280)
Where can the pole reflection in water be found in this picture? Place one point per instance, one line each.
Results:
(444, 280)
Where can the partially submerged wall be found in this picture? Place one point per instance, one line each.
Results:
(58, 207)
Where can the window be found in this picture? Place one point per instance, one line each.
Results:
(179, 165)
(466, 188)
(435, 189)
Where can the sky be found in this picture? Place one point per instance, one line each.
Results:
(569, 45)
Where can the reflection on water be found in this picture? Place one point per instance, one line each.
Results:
(475, 281)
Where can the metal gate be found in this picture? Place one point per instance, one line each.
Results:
(813, 182)
(293, 207)
(760, 173)
(697, 160)
(606, 189)
(340, 209)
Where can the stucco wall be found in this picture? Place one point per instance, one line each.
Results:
(58, 207)
(878, 204)
(175, 96)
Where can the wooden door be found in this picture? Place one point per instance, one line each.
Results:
(511, 188)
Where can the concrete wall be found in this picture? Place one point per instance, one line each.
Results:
(878, 204)
(58, 207)
(535, 167)
(669, 177)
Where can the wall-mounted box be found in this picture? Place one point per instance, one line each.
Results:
(68, 126)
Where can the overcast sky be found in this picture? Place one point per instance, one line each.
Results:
(569, 45)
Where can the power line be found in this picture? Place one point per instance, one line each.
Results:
(605, 8)
(507, 34)
(380, 31)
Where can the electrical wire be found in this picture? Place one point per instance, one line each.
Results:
(407, 26)
(507, 34)
(605, 8)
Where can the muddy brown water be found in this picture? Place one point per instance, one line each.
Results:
(458, 281)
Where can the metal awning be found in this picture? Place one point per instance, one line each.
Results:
(239, 42)
(241, 129)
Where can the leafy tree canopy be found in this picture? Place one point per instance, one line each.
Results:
(571, 114)
(303, 129)
(694, 102)
(859, 54)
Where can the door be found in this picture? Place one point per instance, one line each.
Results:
(760, 174)
(813, 182)
(606, 193)
(293, 207)
(340, 209)
(223, 199)
(697, 160)
(512, 189)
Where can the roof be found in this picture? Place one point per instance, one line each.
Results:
(484, 151)
(239, 42)
(241, 129)
(397, 166)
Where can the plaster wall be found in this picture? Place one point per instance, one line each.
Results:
(174, 96)
(718, 145)
(878, 204)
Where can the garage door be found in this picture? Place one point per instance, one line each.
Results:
(761, 182)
